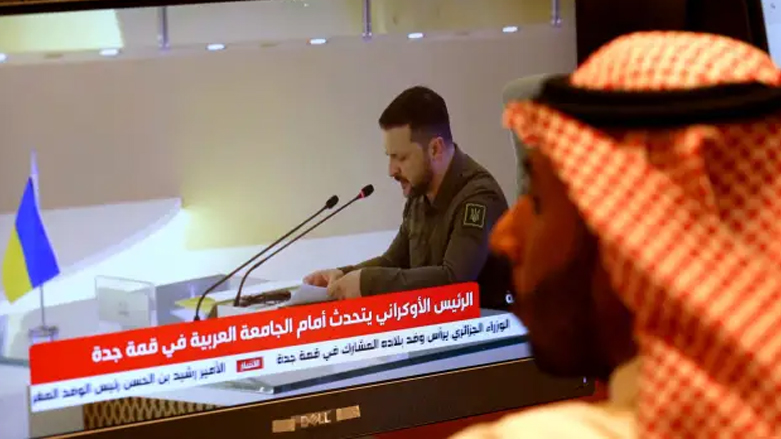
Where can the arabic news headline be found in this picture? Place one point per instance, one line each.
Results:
(171, 377)
(214, 338)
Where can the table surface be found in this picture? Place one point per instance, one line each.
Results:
(80, 318)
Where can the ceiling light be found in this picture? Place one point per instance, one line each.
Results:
(215, 46)
(317, 41)
(415, 36)
(109, 52)
(510, 29)
(3, 57)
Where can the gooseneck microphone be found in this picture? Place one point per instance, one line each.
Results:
(365, 192)
(333, 201)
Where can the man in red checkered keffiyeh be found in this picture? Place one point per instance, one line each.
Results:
(648, 249)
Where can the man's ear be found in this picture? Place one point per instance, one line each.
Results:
(437, 147)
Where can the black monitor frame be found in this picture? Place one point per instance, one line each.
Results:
(19, 7)
(422, 400)
(599, 21)
(739, 19)
(383, 407)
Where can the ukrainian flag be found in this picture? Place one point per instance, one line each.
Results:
(29, 259)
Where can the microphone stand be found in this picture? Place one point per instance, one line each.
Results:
(328, 205)
(365, 192)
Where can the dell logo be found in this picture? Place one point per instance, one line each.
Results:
(315, 419)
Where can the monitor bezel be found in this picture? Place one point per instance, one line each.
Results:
(384, 407)
(21, 7)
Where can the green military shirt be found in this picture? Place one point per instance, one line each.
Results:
(446, 241)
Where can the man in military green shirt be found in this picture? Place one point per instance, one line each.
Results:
(452, 204)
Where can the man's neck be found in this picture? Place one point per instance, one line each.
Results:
(622, 386)
(439, 176)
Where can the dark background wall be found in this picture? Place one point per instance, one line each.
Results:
(599, 21)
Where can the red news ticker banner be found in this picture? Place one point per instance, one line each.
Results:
(183, 342)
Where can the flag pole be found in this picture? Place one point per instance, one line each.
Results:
(43, 307)
(44, 332)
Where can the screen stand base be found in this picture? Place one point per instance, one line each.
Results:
(43, 334)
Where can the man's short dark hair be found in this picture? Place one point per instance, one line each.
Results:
(423, 110)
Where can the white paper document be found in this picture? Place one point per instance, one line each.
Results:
(307, 294)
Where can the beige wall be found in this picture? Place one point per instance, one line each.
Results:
(254, 140)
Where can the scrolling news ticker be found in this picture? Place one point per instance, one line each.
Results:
(157, 359)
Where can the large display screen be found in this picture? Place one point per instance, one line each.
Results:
(148, 154)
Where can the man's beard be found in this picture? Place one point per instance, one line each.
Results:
(423, 186)
(563, 327)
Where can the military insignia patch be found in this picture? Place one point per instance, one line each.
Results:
(474, 215)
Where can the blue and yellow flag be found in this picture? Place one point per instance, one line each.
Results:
(29, 259)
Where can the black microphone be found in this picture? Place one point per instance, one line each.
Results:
(333, 201)
(365, 192)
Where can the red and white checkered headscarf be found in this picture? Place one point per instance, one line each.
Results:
(689, 220)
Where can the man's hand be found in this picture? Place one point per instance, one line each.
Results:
(323, 278)
(347, 287)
